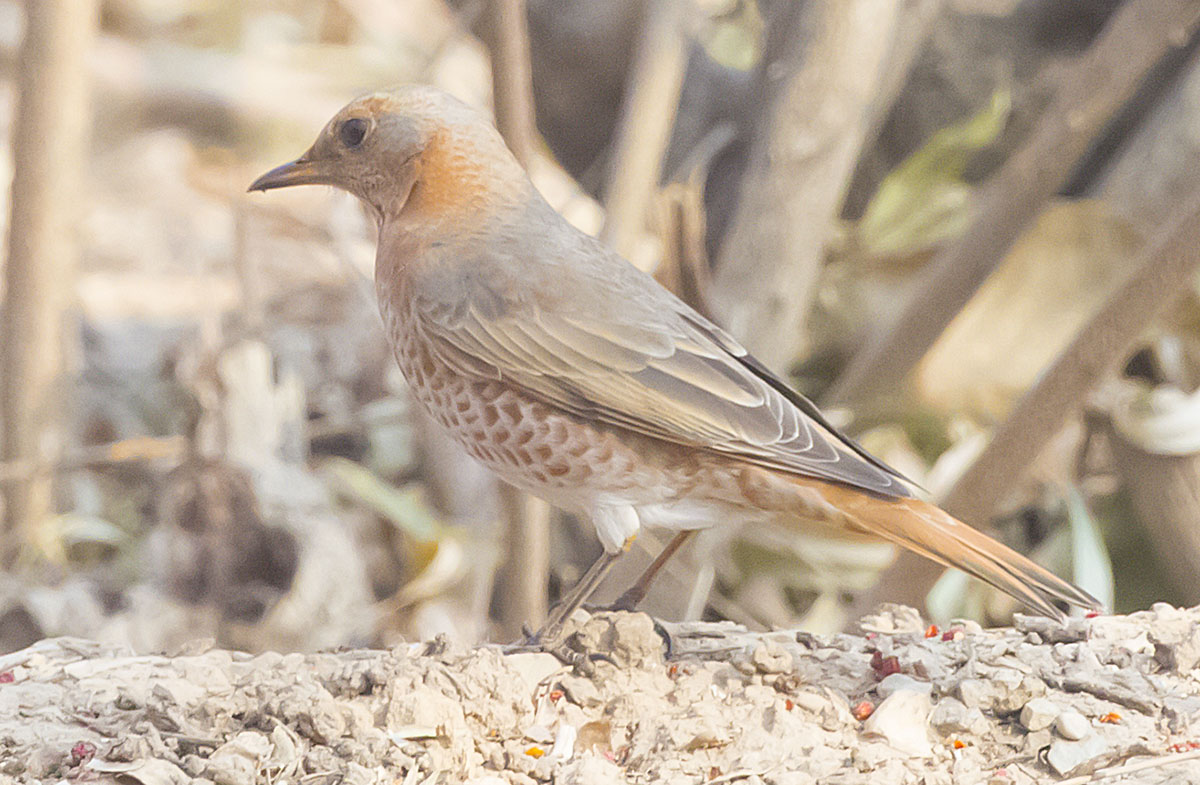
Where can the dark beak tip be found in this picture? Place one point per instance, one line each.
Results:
(261, 184)
(298, 172)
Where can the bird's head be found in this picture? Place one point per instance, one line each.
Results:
(412, 151)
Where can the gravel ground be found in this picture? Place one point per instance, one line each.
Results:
(1108, 699)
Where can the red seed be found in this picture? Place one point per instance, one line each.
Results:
(863, 710)
(931, 631)
(788, 704)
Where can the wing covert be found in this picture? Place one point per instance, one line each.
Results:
(655, 366)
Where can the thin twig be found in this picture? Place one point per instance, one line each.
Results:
(145, 448)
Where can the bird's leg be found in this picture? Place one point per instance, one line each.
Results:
(552, 629)
(637, 592)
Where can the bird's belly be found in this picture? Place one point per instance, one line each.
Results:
(570, 462)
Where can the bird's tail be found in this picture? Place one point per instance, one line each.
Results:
(932, 532)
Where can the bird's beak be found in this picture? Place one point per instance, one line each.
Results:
(302, 171)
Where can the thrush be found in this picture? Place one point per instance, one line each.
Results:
(577, 377)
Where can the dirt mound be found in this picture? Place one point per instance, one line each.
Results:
(644, 702)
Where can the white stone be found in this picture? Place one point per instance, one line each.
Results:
(951, 716)
(590, 769)
(901, 720)
(1072, 725)
(1039, 714)
(1067, 756)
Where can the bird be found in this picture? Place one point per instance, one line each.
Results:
(575, 376)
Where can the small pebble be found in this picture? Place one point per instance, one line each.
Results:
(950, 716)
(975, 693)
(1039, 713)
(770, 657)
(1072, 725)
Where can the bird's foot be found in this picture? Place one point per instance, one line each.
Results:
(565, 649)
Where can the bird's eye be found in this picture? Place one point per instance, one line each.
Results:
(352, 131)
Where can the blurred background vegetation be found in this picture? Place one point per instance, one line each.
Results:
(969, 228)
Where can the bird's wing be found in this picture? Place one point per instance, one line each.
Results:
(620, 349)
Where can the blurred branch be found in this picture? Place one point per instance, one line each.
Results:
(526, 568)
(1091, 93)
(1162, 274)
(822, 69)
(681, 221)
(647, 116)
(48, 158)
(512, 90)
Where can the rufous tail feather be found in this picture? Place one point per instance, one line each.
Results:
(935, 534)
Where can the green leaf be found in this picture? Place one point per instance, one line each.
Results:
(924, 200)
